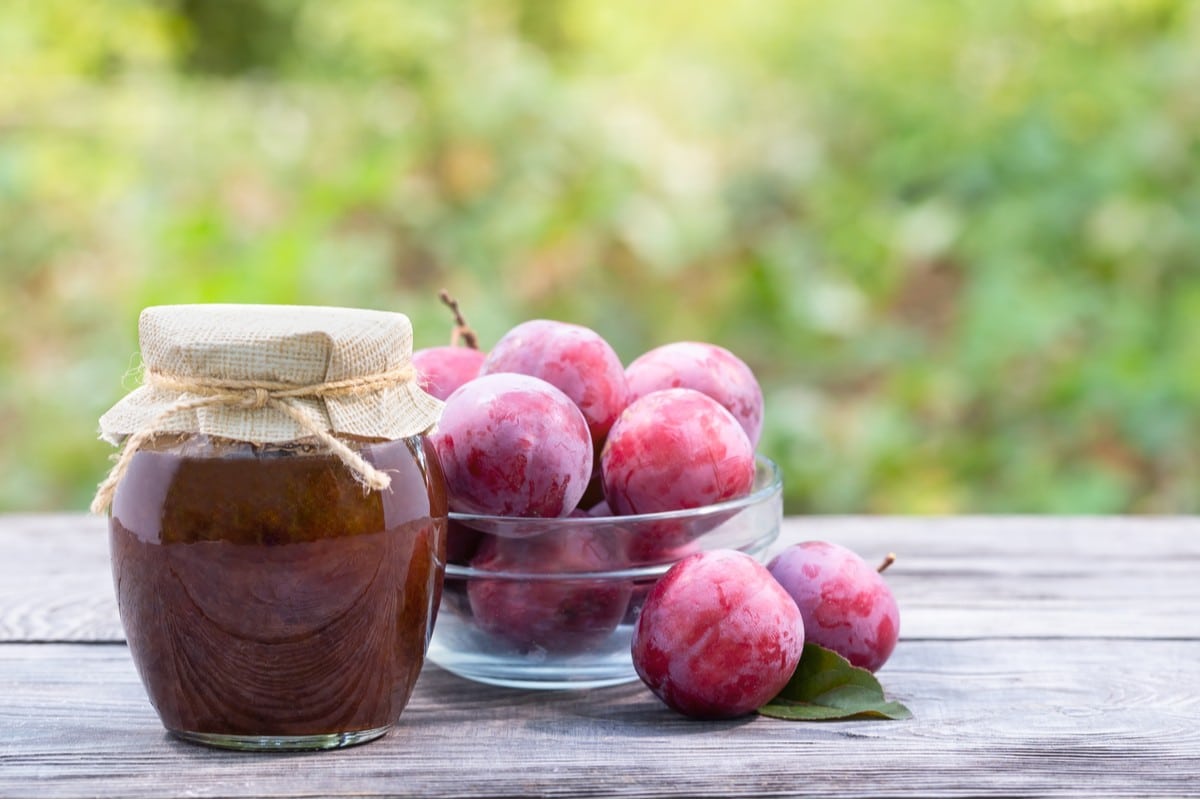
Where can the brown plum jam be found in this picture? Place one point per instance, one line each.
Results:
(269, 600)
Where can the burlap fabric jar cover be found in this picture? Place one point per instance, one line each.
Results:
(271, 374)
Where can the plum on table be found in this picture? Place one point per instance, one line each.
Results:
(846, 604)
(717, 636)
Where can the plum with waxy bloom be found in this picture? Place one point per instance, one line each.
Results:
(550, 613)
(513, 445)
(718, 636)
(441, 370)
(846, 605)
(672, 450)
(573, 358)
(675, 449)
(707, 368)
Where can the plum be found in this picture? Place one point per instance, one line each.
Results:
(539, 611)
(672, 450)
(707, 368)
(573, 358)
(513, 445)
(846, 605)
(717, 636)
(444, 369)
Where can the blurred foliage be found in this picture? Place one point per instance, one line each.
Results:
(957, 241)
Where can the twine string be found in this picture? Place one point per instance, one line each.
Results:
(256, 394)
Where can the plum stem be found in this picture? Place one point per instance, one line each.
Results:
(462, 330)
(888, 560)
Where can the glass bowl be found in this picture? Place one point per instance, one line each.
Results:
(540, 603)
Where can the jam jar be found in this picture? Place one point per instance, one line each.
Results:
(270, 599)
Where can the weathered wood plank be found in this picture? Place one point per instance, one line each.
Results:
(1014, 717)
(1102, 703)
(55, 582)
(956, 578)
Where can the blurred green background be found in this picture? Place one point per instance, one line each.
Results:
(957, 241)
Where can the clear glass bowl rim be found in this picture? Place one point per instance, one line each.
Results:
(774, 485)
(772, 488)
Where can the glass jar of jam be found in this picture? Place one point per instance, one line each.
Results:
(272, 599)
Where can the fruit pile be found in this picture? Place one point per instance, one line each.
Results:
(721, 635)
(549, 424)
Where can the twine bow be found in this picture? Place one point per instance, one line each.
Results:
(256, 394)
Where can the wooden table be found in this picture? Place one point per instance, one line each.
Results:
(1046, 656)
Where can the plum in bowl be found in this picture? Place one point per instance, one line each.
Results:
(550, 603)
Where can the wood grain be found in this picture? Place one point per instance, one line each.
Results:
(1040, 656)
(991, 718)
(55, 583)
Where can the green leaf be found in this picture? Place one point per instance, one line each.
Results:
(827, 686)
